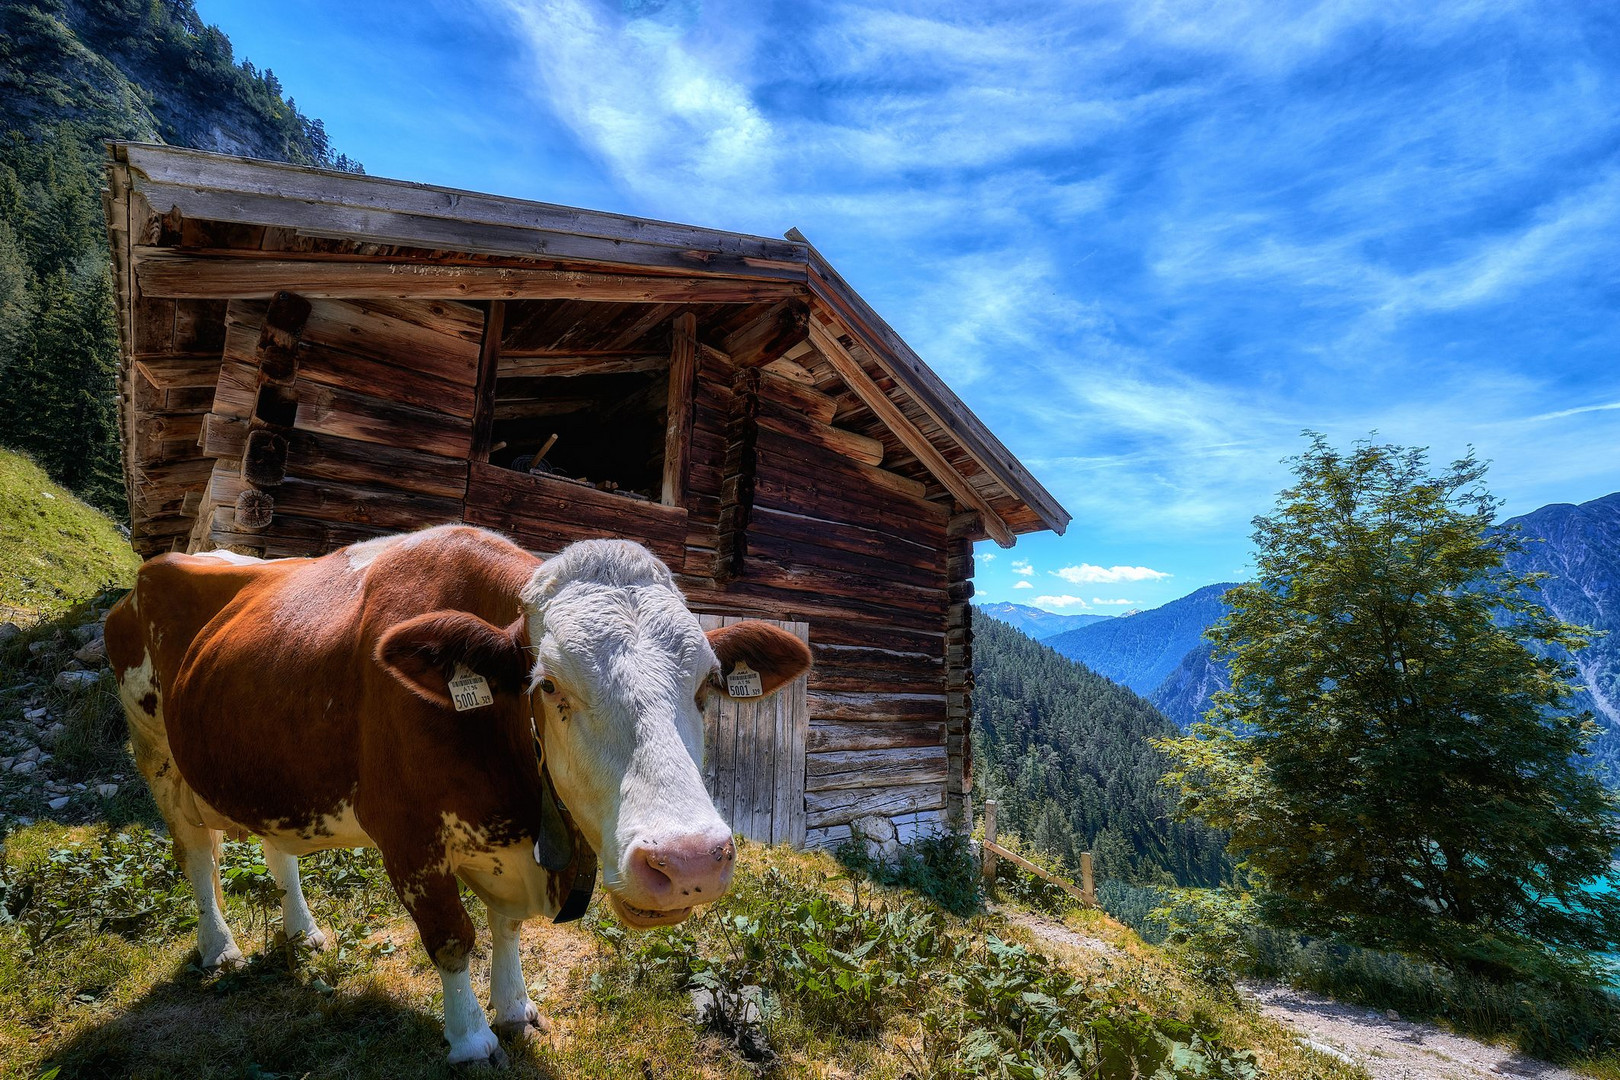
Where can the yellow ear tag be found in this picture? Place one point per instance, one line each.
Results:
(744, 682)
(469, 690)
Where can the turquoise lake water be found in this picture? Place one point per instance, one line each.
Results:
(1600, 888)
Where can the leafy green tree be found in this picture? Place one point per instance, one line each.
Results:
(1395, 761)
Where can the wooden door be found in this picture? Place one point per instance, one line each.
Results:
(753, 762)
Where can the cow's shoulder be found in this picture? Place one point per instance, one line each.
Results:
(454, 567)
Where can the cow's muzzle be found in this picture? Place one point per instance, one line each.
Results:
(664, 879)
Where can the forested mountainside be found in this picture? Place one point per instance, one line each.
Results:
(1038, 624)
(74, 73)
(1065, 752)
(1577, 546)
(1142, 650)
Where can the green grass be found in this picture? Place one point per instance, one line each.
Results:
(54, 549)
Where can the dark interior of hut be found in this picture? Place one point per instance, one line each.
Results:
(604, 429)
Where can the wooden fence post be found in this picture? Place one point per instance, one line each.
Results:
(989, 838)
(1088, 885)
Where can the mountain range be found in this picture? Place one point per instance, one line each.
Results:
(1162, 655)
(1035, 622)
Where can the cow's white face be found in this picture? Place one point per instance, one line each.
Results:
(622, 668)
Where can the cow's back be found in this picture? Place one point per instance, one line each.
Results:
(270, 695)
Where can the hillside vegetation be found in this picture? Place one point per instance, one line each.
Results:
(73, 75)
(1066, 754)
(54, 548)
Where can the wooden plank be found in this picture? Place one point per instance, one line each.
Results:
(767, 337)
(825, 771)
(489, 360)
(546, 514)
(332, 411)
(874, 735)
(164, 273)
(171, 372)
(856, 378)
(840, 807)
(678, 428)
(861, 706)
(1040, 872)
(860, 448)
(555, 365)
(432, 337)
(790, 781)
(162, 167)
(810, 402)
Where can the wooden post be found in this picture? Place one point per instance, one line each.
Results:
(989, 838)
(489, 358)
(1088, 886)
(678, 432)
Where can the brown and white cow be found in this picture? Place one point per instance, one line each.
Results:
(309, 701)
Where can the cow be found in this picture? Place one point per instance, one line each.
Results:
(446, 697)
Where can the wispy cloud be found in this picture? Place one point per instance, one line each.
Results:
(1022, 585)
(1085, 572)
(1149, 244)
(1060, 602)
(1100, 600)
(1021, 566)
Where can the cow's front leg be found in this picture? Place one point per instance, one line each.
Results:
(515, 1014)
(447, 934)
(198, 850)
(296, 921)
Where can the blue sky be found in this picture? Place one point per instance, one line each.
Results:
(1148, 243)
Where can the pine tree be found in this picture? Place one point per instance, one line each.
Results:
(1395, 760)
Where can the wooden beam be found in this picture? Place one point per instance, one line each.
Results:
(557, 366)
(927, 389)
(855, 377)
(163, 273)
(489, 360)
(678, 431)
(768, 337)
(229, 188)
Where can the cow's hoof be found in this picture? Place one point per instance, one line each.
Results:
(480, 1050)
(229, 958)
(313, 940)
(530, 1023)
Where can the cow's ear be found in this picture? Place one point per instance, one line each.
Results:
(423, 653)
(775, 654)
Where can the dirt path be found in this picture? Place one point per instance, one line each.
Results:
(1388, 1049)
(1393, 1049)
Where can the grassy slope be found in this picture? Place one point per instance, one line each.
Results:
(100, 1002)
(54, 550)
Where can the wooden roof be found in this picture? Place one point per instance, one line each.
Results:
(194, 226)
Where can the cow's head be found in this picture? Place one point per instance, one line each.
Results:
(618, 671)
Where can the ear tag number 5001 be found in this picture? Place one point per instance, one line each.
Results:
(469, 690)
(744, 682)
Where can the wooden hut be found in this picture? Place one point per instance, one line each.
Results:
(312, 358)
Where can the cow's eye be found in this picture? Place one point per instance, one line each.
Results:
(547, 686)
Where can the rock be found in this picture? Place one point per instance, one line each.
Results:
(93, 654)
(6, 763)
(58, 803)
(76, 680)
(106, 791)
(1391, 1014)
(87, 633)
(32, 715)
(8, 630)
(37, 647)
(30, 754)
(73, 665)
(876, 833)
(55, 732)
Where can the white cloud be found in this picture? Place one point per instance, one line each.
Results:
(1021, 566)
(1085, 572)
(1022, 585)
(988, 556)
(1060, 602)
(1122, 603)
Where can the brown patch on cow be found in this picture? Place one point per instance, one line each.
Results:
(149, 703)
(778, 656)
